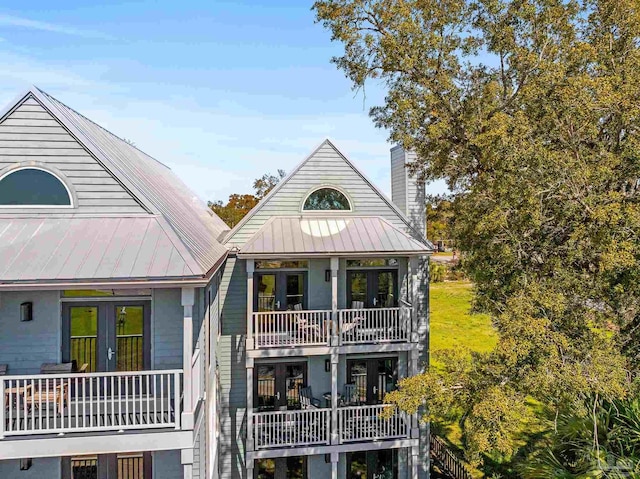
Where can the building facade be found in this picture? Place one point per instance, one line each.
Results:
(141, 338)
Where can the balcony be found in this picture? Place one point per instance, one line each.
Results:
(312, 427)
(94, 402)
(281, 329)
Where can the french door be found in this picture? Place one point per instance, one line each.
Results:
(277, 385)
(372, 288)
(380, 464)
(294, 467)
(107, 336)
(280, 291)
(373, 378)
(108, 466)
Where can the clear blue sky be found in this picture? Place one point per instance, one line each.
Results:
(221, 91)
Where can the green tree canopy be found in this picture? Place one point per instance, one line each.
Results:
(529, 110)
(240, 204)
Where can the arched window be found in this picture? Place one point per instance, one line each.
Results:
(326, 199)
(33, 187)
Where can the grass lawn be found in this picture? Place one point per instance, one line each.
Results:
(452, 324)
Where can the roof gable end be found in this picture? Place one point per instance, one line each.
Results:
(325, 166)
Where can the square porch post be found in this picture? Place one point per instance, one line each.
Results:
(188, 300)
(250, 344)
(335, 334)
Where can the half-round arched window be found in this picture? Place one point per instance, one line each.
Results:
(326, 198)
(33, 187)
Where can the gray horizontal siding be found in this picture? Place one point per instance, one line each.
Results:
(24, 346)
(325, 167)
(398, 179)
(232, 369)
(167, 328)
(31, 135)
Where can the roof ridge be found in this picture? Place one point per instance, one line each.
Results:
(50, 97)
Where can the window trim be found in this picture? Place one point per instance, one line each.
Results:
(57, 175)
(321, 212)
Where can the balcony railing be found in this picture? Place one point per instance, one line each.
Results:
(62, 403)
(277, 329)
(371, 423)
(376, 325)
(313, 426)
(306, 427)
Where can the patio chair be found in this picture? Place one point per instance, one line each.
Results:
(52, 393)
(307, 401)
(350, 398)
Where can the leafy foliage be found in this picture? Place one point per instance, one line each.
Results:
(529, 111)
(239, 205)
(603, 442)
(439, 218)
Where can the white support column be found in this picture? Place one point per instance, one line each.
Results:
(335, 457)
(335, 434)
(250, 440)
(415, 462)
(186, 458)
(188, 300)
(250, 339)
(335, 334)
(413, 292)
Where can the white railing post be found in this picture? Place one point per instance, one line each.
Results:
(2, 408)
(335, 433)
(335, 335)
(177, 410)
(250, 343)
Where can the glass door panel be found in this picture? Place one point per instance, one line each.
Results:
(267, 292)
(358, 289)
(83, 343)
(383, 464)
(295, 291)
(357, 375)
(380, 464)
(385, 289)
(296, 467)
(277, 386)
(373, 378)
(357, 465)
(84, 467)
(130, 338)
(386, 378)
(266, 469)
(266, 387)
(294, 381)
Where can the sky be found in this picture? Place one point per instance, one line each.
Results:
(220, 91)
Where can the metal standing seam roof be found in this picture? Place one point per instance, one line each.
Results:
(178, 212)
(335, 234)
(415, 233)
(60, 248)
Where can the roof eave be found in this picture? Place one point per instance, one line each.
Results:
(329, 254)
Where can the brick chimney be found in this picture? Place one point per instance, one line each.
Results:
(407, 192)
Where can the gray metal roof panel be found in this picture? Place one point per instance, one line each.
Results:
(331, 234)
(154, 184)
(38, 249)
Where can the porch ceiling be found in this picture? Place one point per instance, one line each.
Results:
(59, 249)
(313, 235)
